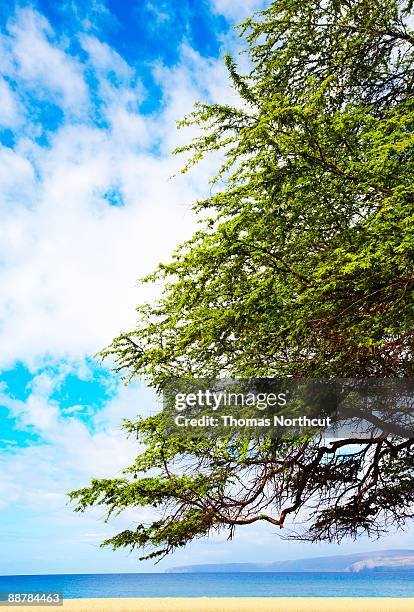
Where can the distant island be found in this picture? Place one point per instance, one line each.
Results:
(379, 561)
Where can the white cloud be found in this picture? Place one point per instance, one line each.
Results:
(68, 447)
(35, 479)
(43, 63)
(105, 59)
(238, 10)
(17, 179)
(71, 258)
(9, 108)
(158, 13)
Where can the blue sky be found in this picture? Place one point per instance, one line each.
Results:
(89, 96)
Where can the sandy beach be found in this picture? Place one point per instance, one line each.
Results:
(299, 604)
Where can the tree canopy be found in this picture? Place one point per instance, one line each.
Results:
(303, 266)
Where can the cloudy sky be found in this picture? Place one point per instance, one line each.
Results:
(90, 200)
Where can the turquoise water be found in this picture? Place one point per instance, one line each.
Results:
(384, 584)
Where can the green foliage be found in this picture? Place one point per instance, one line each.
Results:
(302, 266)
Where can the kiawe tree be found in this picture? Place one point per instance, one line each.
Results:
(303, 266)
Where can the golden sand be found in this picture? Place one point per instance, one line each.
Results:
(206, 604)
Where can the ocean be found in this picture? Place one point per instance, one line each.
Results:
(290, 584)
